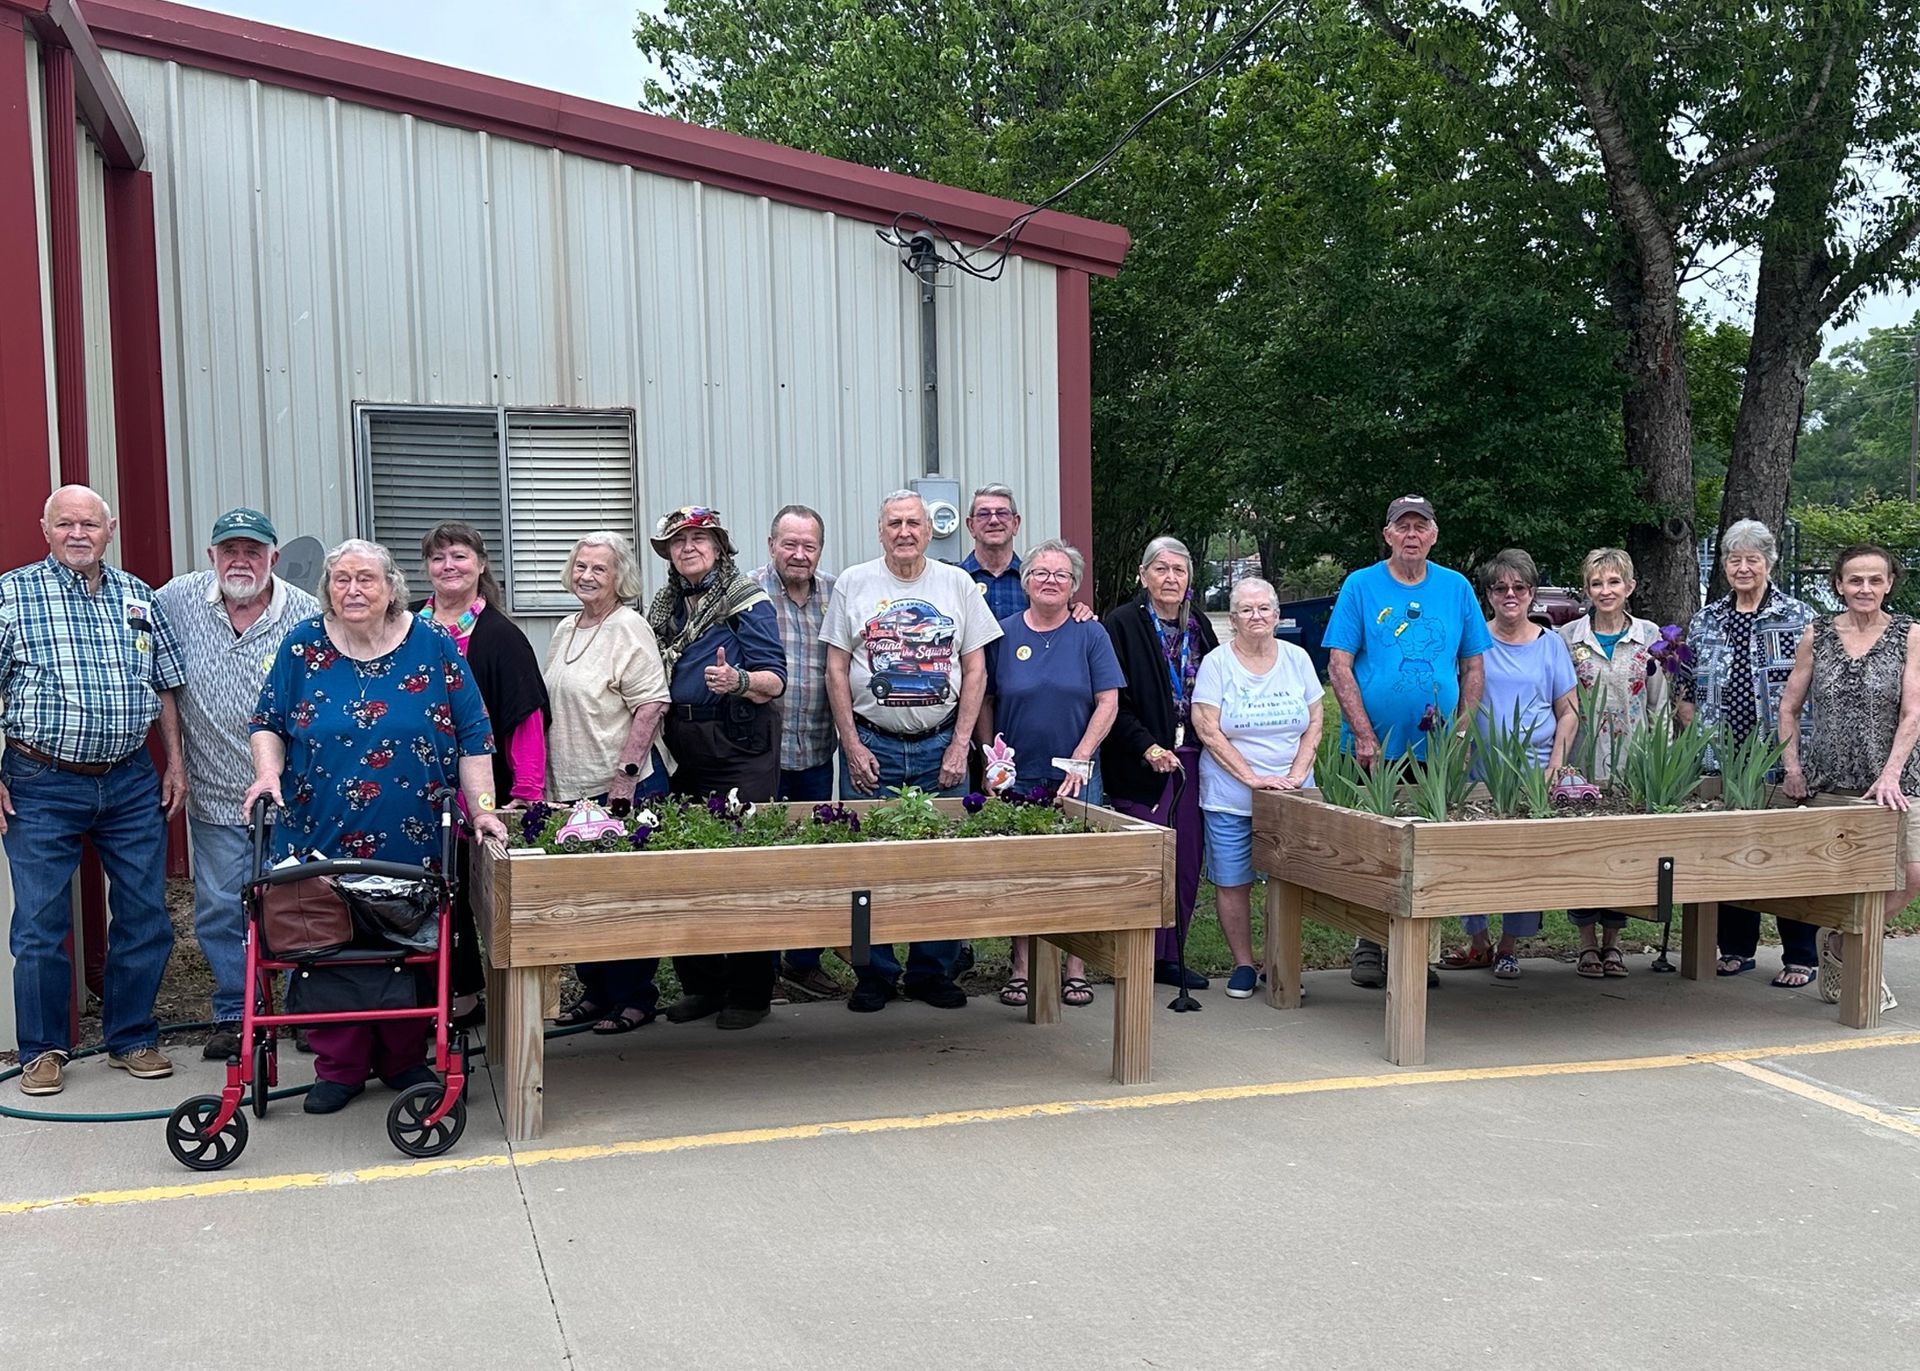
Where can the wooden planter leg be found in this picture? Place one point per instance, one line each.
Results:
(1863, 956)
(517, 1046)
(1133, 1005)
(1284, 901)
(1406, 991)
(1043, 981)
(1699, 939)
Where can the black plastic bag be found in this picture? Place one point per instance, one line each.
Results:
(391, 911)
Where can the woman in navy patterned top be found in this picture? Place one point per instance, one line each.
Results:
(367, 719)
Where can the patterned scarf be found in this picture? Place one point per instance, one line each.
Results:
(1183, 649)
(727, 594)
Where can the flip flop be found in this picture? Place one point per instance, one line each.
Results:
(1467, 958)
(1746, 964)
(1014, 993)
(1809, 975)
(1076, 991)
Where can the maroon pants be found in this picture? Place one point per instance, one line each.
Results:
(349, 1053)
(1181, 812)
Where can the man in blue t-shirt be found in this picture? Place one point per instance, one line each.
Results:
(1405, 636)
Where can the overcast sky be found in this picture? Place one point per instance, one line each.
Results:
(585, 47)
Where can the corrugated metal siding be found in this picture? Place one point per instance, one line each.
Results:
(320, 253)
(102, 453)
(37, 133)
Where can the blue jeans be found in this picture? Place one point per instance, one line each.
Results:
(903, 763)
(53, 811)
(1511, 925)
(222, 856)
(809, 785)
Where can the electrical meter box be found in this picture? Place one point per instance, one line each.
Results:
(948, 514)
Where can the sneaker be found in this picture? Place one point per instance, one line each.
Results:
(813, 981)
(326, 1097)
(1369, 965)
(146, 1063)
(690, 1007)
(1168, 973)
(1241, 984)
(1506, 966)
(223, 1042)
(44, 1075)
(963, 960)
(870, 996)
(940, 993)
(738, 1016)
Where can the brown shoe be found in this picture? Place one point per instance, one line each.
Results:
(43, 1075)
(146, 1064)
(814, 982)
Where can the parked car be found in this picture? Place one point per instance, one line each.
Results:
(1555, 605)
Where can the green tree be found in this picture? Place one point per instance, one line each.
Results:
(1855, 438)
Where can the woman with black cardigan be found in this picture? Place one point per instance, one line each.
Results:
(1151, 759)
(468, 604)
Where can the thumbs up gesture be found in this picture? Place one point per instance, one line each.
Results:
(723, 679)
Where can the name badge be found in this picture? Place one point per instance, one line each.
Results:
(1179, 735)
(139, 615)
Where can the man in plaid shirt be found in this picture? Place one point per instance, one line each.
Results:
(87, 664)
(800, 590)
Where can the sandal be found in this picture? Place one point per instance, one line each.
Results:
(1014, 993)
(1589, 964)
(619, 1022)
(1786, 980)
(1468, 958)
(1613, 963)
(1830, 975)
(1733, 966)
(1075, 990)
(582, 1011)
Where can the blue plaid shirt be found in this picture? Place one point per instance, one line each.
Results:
(82, 670)
(1005, 595)
(806, 732)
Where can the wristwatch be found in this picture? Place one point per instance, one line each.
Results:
(630, 769)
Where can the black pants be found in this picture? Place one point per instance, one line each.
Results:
(712, 757)
(466, 973)
(1740, 935)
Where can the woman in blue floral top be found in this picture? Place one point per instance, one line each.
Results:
(368, 717)
(1743, 646)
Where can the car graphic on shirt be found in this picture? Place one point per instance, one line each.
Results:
(909, 648)
(914, 621)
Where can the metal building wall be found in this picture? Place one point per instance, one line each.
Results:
(102, 453)
(315, 253)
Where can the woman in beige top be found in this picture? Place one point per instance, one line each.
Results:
(608, 695)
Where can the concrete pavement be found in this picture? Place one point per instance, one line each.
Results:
(957, 1188)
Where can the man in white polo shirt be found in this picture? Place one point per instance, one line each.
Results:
(229, 620)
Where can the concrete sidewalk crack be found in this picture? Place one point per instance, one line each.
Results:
(533, 1231)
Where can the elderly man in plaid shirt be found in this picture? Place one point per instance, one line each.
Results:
(799, 589)
(87, 664)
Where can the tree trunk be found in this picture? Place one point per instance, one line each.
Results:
(1658, 418)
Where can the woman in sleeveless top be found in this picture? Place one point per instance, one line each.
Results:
(1862, 667)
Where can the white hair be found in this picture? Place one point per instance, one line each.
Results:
(1251, 584)
(46, 510)
(360, 547)
(1750, 535)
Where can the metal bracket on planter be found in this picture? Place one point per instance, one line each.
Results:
(1663, 901)
(861, 947)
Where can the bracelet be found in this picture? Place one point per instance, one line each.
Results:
(741, 683)
(630, 769)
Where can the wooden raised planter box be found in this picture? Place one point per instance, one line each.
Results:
(1099, 895)
(1829, 862)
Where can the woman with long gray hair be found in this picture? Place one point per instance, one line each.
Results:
(1151, 759)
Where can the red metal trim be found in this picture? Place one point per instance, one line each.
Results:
(24, 434)
(445, 95)
(63, 240)
(1073, 330)
(101, 106)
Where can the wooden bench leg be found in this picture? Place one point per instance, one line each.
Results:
(1699, 938)
(1133, 1006)
(517, 1047)
(1043, 981)
(1863, 955)
(1283, 955)
(1406, 991)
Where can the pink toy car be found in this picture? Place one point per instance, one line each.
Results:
(588, 823)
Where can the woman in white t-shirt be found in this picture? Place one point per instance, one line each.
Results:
(1256, 709)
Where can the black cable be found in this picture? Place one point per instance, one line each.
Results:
(962, 258)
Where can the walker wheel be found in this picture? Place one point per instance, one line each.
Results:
(263, 1074)
(187, 1139)
(407, 1122)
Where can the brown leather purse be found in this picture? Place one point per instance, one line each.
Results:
(304, 918)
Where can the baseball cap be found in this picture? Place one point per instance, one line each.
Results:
(1411, 504)
(244, 523)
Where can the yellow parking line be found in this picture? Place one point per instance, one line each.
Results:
(905, 1123)
(1831, 1099)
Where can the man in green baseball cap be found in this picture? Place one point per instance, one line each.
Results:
(250, 524)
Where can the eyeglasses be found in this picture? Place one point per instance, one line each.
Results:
(1255, 611)
(994, 516)
(1050, 576)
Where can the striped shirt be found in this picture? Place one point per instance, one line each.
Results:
(806, 734)
(82, 670)
(224, 673)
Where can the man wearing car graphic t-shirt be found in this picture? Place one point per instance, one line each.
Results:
(906, 669)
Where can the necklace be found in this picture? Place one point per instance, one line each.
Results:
(569, 657)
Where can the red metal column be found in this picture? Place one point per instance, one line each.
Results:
(1073, 326)
(63, 239)
(24, 459)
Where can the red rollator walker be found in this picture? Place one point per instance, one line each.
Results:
(208, 1132)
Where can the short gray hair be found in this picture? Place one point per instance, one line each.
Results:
(994, 488)
(75, 488)
(626, 567)
(1750, 535)
(1509, 561)
(1075, 562)
(797, 512)
(1166, 543)
(360, 547)
(901, 497)
(1234, 596)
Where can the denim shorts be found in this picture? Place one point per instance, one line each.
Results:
(1229, 847)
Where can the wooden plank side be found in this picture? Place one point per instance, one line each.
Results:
(491, 879)
(1096, 949)
(1133, 1006)
(1524, 864)
(1283, 950)
(1360, 858)
(1358, 920)
(1863, 964)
